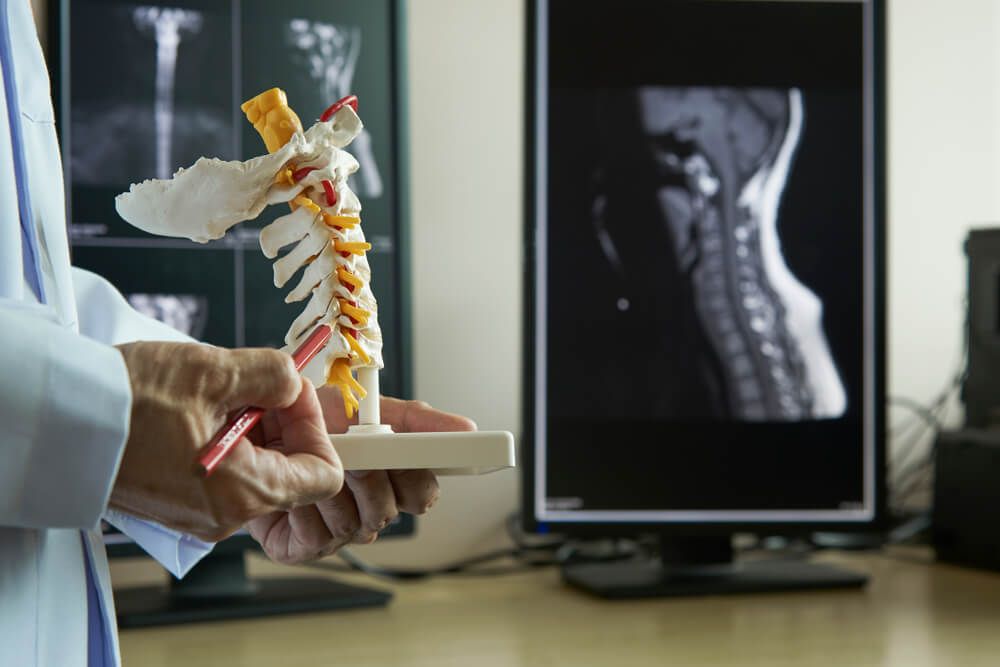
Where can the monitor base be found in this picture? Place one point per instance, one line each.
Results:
(218, 589)
(670, 577)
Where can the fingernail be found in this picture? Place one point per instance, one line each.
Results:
(359, 474)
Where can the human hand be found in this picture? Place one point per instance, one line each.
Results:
(181, 395)
(368, 501)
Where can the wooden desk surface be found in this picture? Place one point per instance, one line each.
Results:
(912, 614)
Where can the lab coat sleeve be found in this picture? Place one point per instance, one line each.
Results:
(64, 405)
(105, 315)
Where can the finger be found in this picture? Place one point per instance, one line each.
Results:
(375, 500)
(300, 427)
(281, 539)
(282, 481)
(272, 531)
(295, 449)
(261, 527)
(261, 376)
(266, 433)
(340, 514)
(310, 535)
(418, 417)
(416, 490)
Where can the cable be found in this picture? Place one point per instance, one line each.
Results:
(919, 410)
(928, 420)
(907, 476)
(902, 471)
(929, 414)
(527, 555)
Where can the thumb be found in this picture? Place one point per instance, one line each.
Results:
(262, 377)
(308, 468)
(298, 479)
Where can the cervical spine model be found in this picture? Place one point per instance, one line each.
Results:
(309, 171)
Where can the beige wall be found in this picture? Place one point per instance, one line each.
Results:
(466, 73)
(944, 176)
(466, 77)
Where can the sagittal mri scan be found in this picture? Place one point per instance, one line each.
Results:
(684, 208)
(725, 155)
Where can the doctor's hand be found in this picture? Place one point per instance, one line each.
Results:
(181, 396)
(369, 499)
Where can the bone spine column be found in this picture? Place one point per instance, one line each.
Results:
(167, 24)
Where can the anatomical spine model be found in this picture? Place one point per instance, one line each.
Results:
(308, 171)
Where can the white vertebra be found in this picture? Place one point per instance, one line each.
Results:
(204, 201)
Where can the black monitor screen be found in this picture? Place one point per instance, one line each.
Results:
(705, 263)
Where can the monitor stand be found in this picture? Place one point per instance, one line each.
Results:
(218, 588)
(703, 566)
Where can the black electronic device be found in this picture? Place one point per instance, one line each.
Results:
(218, 587)
(981, 385)
(143, 89)
(705, 286)
(967, 497)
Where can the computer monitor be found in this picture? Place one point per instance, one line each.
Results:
(142, 89)
(705, 289)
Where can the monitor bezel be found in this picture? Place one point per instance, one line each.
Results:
(586, 528)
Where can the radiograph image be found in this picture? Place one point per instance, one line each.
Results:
(682, 232)
(151, 90)
(328, 54)
(187, 313)
(192, 290)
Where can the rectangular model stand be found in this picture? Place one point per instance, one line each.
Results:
(454, 453)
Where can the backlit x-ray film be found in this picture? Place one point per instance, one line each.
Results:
(146, 88)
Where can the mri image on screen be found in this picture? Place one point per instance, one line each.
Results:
(710, 289)
(722, 157)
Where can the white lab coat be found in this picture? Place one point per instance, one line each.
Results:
(65, 400)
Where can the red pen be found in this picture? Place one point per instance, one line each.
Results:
(245, 419)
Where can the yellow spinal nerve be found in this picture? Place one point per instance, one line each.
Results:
(276, 123)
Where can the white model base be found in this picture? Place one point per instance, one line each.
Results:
(376, 447)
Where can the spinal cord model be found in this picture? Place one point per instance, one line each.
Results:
(308, 170)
